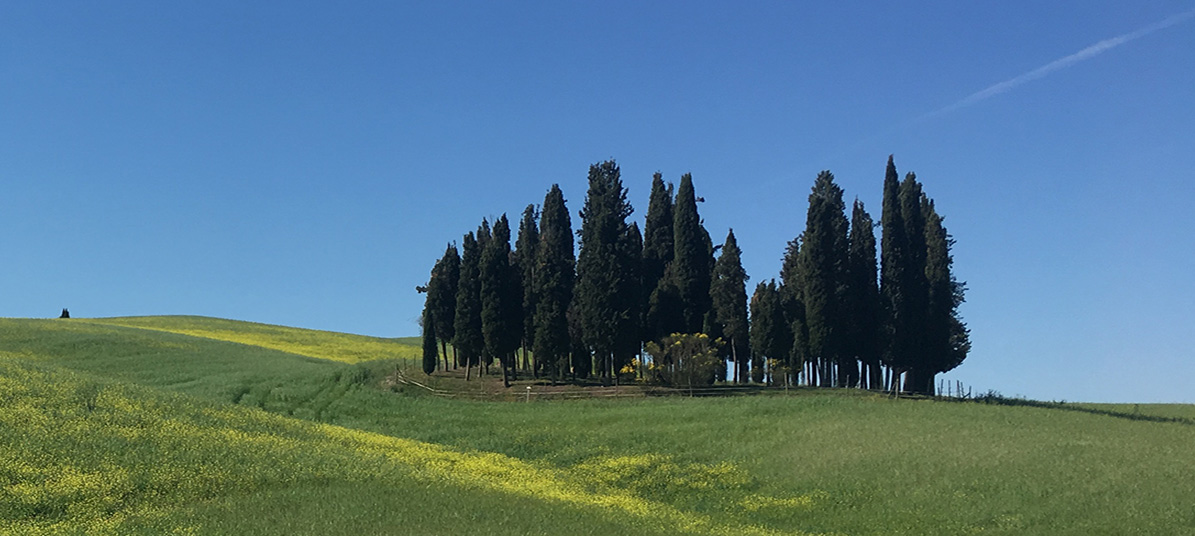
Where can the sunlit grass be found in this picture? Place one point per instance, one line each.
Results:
(119, 429)
(105, 458)
(342, 347)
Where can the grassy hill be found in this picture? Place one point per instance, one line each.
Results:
(196, 425)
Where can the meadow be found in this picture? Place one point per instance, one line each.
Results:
(204, 426)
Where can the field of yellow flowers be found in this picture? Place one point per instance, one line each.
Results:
(202, 426)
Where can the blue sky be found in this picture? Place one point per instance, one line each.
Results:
(306, 163)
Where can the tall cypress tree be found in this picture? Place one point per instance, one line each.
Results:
(483, 241)
(553, 280)
(692, 257)
(825, 251)
(794, 347)
(894, 247)
(430, 352)
(629, 337)
(525, 261)
(441, 297)
(914, 287)
(948, 339)
(658, 251)
(728, 292)
(865, 335)
(469, 340)
(770, 337)
(600, 264)
(501, 299)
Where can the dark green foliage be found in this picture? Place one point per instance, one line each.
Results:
(431, 355)
(948, 340)
(866, 318)
(728, 292)
(793, 348)
(665, 310)
(629, 336)
(553, 281)
(602, 264)
(769, 331)
(580, 354)
(893, 265)
(501, 298)
(915, 288)
(468, 340)
(658, 250)
(692, 257)
(441, 297)
(525, 261)
(824, 250)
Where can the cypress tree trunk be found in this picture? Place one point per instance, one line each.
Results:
(444, 349)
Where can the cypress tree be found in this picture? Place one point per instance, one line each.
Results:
(865, 335)
(665, 310)
(728, 292)
(658, 250)
(525, 260)
(553, 280)
(894, 245)
(825, 251)
(441, 297)
(501, 299)
(948, 339)
(768, 330)
(581, 355)
(483, 240)
(468, 340)
(601, 264)
(692, 257)
(794, 348)
(914, 287)
(430, 352)
(629, 337)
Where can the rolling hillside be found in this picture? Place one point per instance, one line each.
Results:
(196, 425)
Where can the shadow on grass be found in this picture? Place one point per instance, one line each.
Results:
(997, 399)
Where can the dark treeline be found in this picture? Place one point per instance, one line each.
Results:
(836, 318)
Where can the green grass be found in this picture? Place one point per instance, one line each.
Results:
(157, 424)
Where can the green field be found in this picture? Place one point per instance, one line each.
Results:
(204, 426)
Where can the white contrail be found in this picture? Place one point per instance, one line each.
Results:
(1062, 63)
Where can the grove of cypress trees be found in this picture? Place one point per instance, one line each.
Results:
(601, 264)
(501, 299)
(825, 249)
(692, 260)
(468, 340)
(553, 281)
(865, 336)
(525, 261)
(728, 293)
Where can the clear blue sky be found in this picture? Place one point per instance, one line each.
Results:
(305, 164)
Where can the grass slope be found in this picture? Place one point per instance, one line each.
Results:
(119, 429)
